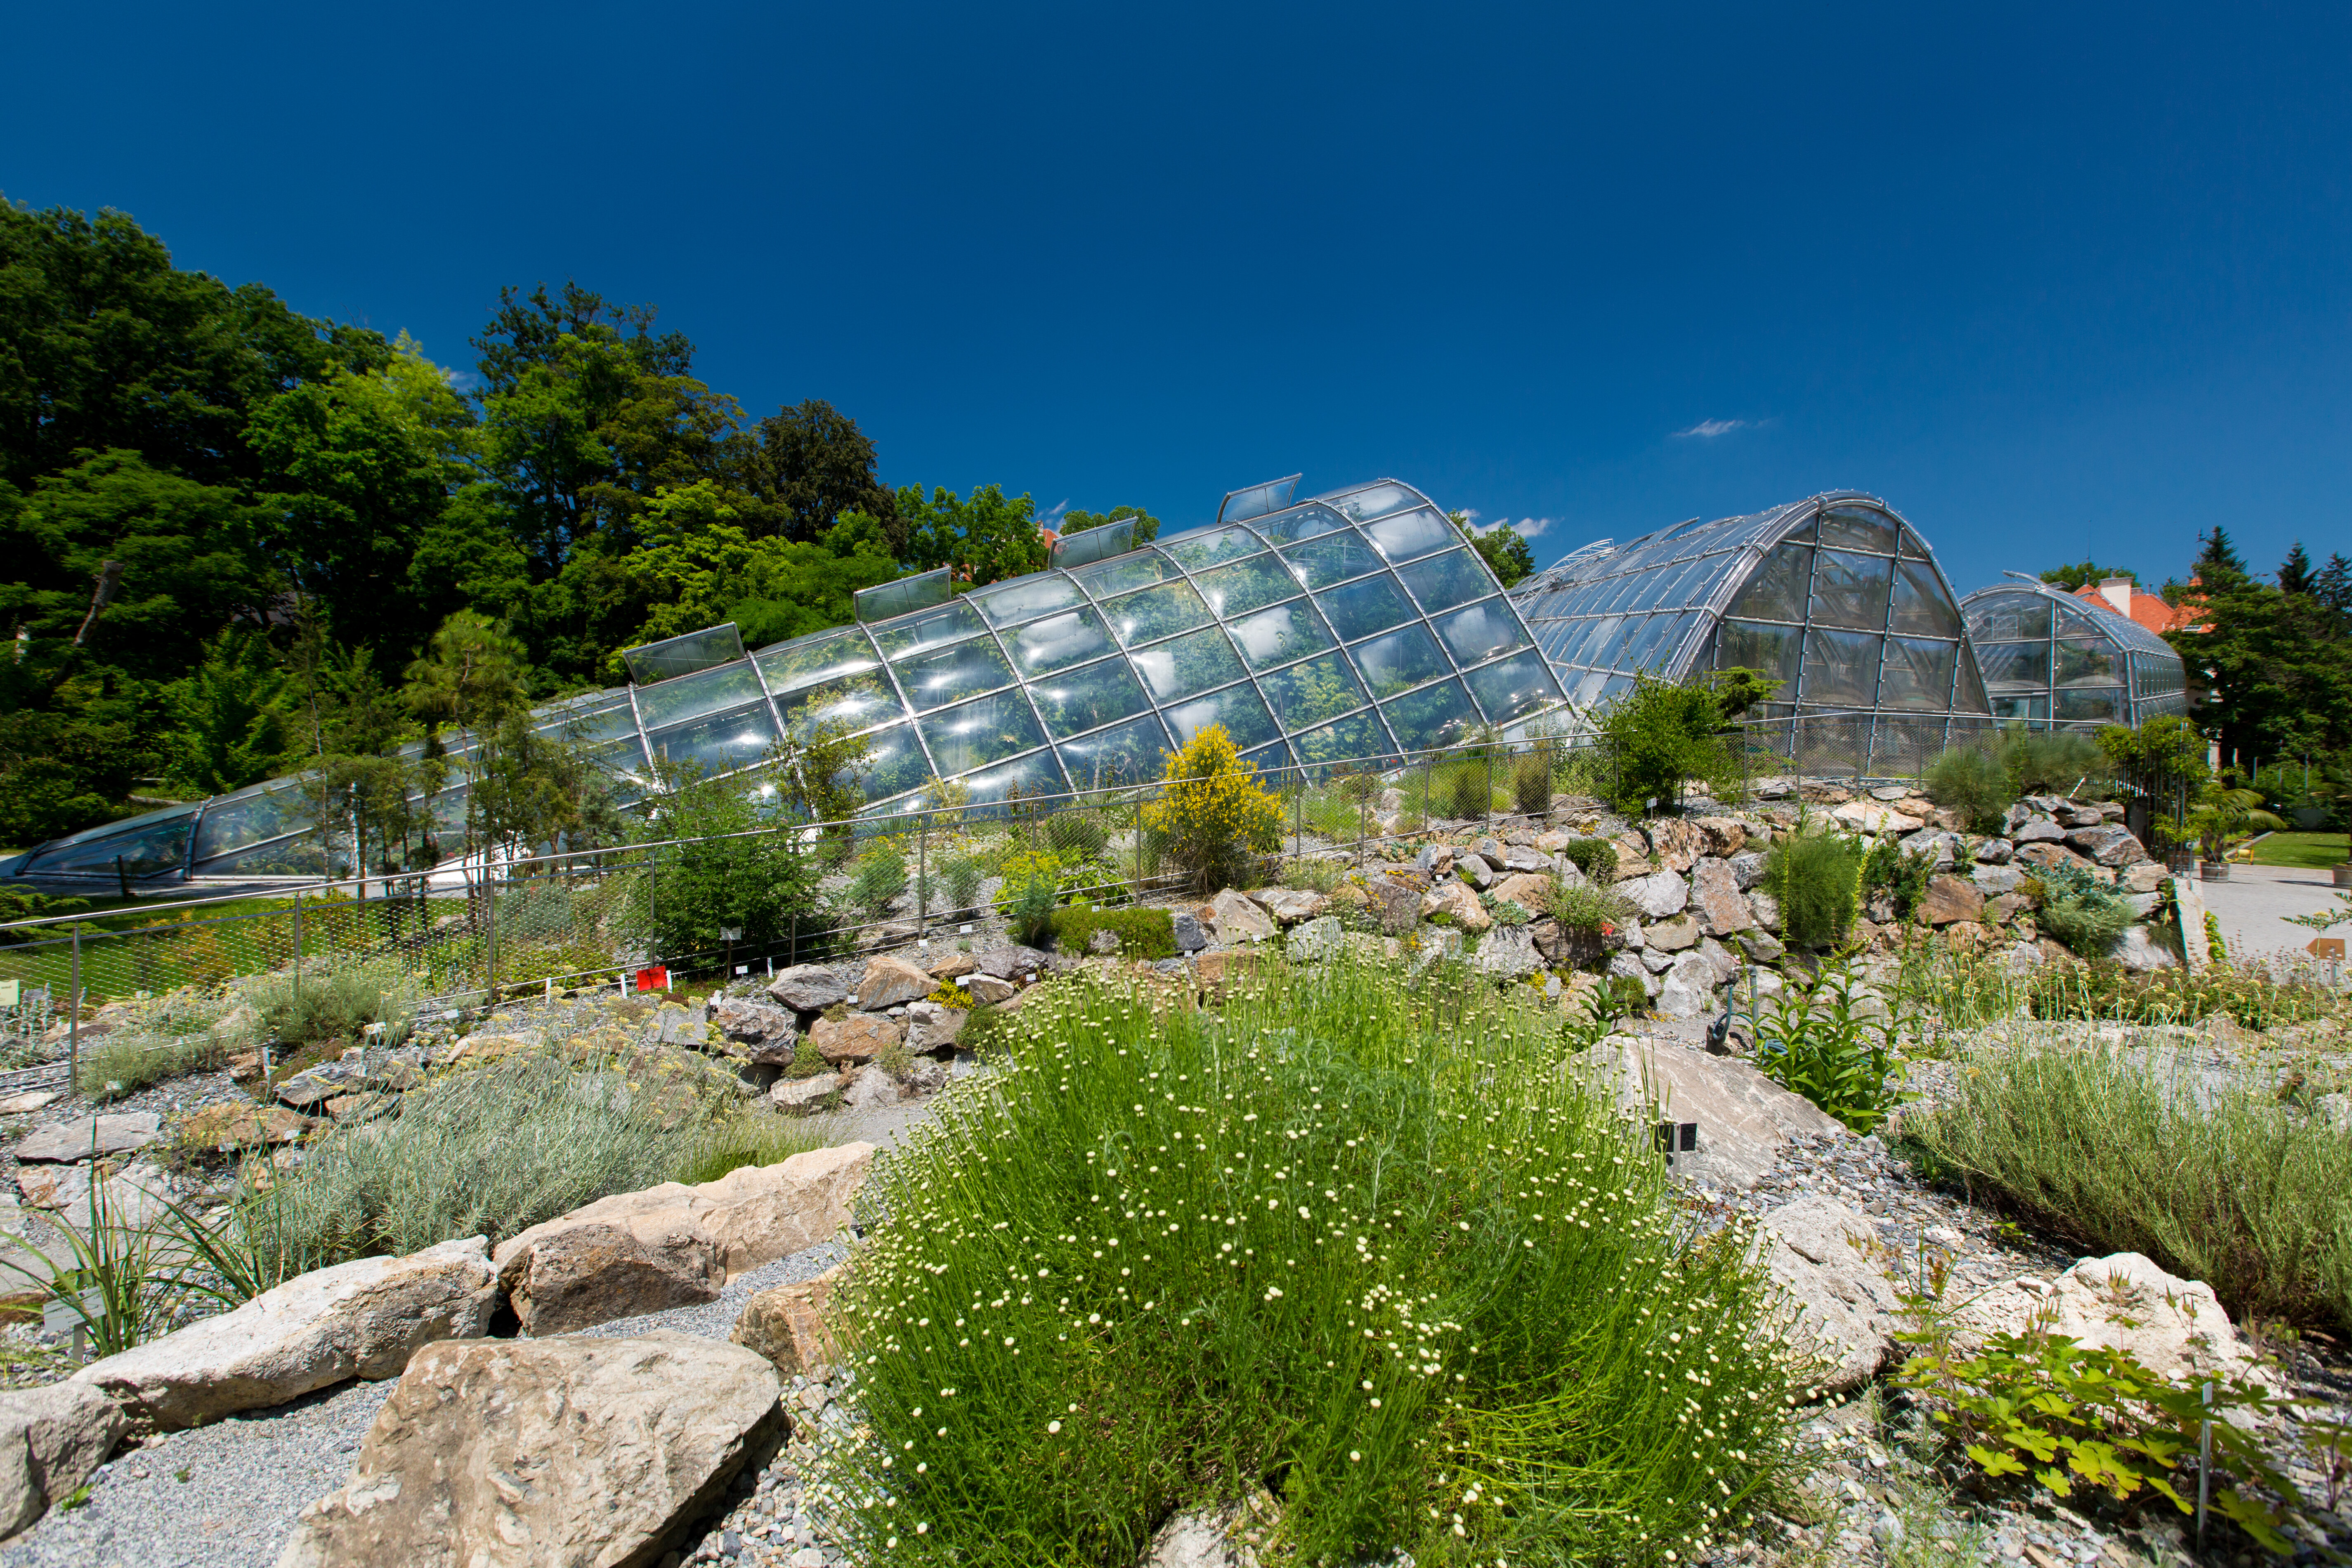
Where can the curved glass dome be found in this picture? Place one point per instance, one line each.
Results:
(2052, 661)
(1836, 596)
(1356, 625)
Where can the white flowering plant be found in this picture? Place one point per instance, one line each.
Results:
(1383, 1250)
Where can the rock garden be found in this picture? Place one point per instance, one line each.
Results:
(1799, 1174)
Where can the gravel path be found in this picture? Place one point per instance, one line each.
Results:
(249, 1476)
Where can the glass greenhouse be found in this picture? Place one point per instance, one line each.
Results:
(1358, 623)
(1836, 596)
(2054, 661)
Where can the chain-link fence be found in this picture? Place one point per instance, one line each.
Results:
(475, 929)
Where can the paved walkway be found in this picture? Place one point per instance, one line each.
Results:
(2251, 905)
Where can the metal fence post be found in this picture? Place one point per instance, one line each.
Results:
(298, 952)
(922, 878)
(73, 1017)
(489, 936)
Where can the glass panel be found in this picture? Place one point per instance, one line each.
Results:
(2084, 661)
(1038, 773)
(929, 629)
(1057, 641)
(1444, 581)
(1237, 708)
(1918, 673)
(1840, 668)
(978, 733)
(285, 857)
(1970, 696)
(1133, 752)
(2104, 704)
(158, 844)
(1775, 651)
(887, 599)
(1306, 694)
(1258, 500)
(1345, 739)
(1361, 608)
(1124, 574)
(600, 717)
(1399, 661)
(1198, 551)
(952, 673)
(2022, 708)
(623, 762)
(1851, 590)
(1096, 543)
(1412, 534)
(2014, 664)
(1439, 715)
(1184, 665)
(1777, 591)
(858, 702)
(1246, 585)
(894, 763)
(2073, 622)
(691, 696)
(719, 743)
(1514, 687)
(1920, 606)
(1300, 522)
(1602, 645)
(248, 819)
(1481, 632)
(1913, 545)
(1088, 696)
(1272, 761)
(683, 655)
(805, 662)
(1334, 557)
(1378, 501)
(1024, 598)
(2014, 620)
(1856, 528)
(1280, 635)
(1156, 613)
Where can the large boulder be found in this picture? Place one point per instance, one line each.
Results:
(1996, 879)
(1667, 935)
(1950, 899)
(1314, 941)
(361, 1319)
(674, 1245)
(786, 1324)
(1715, 894)
(2139, 949)
(1015, 962)
(1459, 904)
(1658, 895)
(1236, 919)
(50, 1440)
(2108, 846)
(2041, 832)
(807, 988)
(1689, 987)
(1189, 935)
(1397, 906)
(988, 990)
(1725, 836)
(1531, 890)
(934, 1025)
(1840, 1305)
(1676, 843)
(1744, 1119)
(860, 1037)
(91, 1135)
(1290, 906)
(2172, 1326)
(571, 1451)
(1508, 952)
(890, 981)
(761, 1031)
(1869, 816)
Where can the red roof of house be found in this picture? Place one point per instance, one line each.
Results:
(2148, 610)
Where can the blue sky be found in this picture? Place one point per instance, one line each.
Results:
(2051, 279)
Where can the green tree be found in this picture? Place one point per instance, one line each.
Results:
(2278, 665)
(736, 869)
(233, 710)
(1504, 549)
(1146, 527)
(2084, 574)
(983, 540)
(804, 466)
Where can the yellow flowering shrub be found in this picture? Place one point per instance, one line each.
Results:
(1212, 815)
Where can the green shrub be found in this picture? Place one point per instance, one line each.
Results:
(1895, 872)
(1531, 783)
(1655, 734)
(1971, 781)
(335, 999)
(175, 1035)
(1819, 1038)
(1588, 906)
(1816, 879)
(2087, 916)
(959, 877)
(1211, 816)
(1411, 1283)
(2115, 1153)
(879, 877)
(1469, 792)
(1314, 876)
(751, 1136)
(2050, 762)
(729, 874)
(1033, 884)
(1596, 857)
(1141, 932)
(1077, 833)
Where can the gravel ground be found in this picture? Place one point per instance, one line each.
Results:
(249, 1476)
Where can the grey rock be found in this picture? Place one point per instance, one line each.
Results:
(1994, 880)
(2140, 950)
(890, 981)
(1290, 906)
(1206, 1538)
(1474, 869)
(1508, 952)
(988, 990)
(2108, 846)
(800, 1095)
(1715, 894)
(755, 1024)
(51, 1439)
(1745, 1120)
(1314, 941)
(1016, 961)
(1719, 959)
(1826, 1255)
(1995, 852)
(1236, 918)
(1655, 960)
(1932, 843)
(934, 1026)
(1762, 946)
(1689, 988)
(1526, 859)
(1766, 908)
(870, 1090)
(808, 988)
(2072, 815)
(1671, 935)
(2038, 833)
(1746, 869)
(1434, 860)
(1189, 937)
(100, 1135)
(1657, 895)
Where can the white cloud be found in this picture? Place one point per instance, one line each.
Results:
(1709, 429)
(1052, 516)
(1527, 527)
